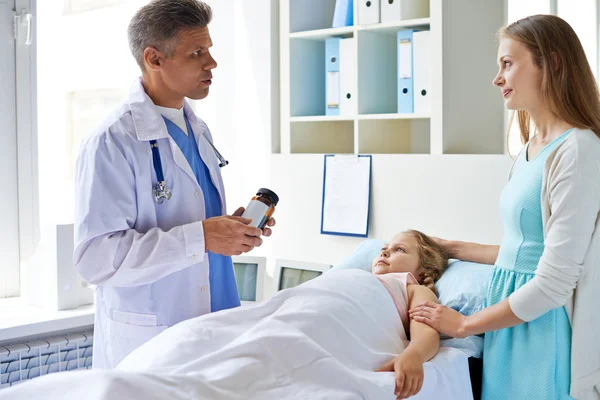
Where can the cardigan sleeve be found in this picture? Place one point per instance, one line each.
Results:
(574, 200)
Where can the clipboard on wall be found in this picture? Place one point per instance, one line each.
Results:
(346, 195)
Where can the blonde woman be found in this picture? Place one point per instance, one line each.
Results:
(541, 325)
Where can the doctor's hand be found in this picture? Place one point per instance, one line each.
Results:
(230, 235)
(408, 367)
(266, 231)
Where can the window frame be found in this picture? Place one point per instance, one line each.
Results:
(27, 139)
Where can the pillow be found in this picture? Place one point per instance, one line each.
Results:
(463, 286)
(362, 257)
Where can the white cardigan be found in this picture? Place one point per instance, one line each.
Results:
(568, 273)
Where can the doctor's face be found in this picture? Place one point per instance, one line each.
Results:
(519, 79)
(399, 255)
(188, 71)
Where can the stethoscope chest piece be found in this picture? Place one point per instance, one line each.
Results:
(161, 192)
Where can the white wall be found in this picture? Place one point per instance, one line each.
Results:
(451, 196)
(242, 110)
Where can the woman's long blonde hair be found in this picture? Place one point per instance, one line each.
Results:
(568, 85)
(433, 259)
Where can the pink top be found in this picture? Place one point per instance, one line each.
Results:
(396, 284)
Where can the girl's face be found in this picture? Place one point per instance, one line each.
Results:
(399, 255)
(519, 79)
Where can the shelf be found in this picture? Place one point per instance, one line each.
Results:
(386, 28)
(393, 27)
(322, 118)
(322, 34)
(392, 116)
(389, 136)
(322, 137)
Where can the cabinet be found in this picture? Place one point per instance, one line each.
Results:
(467, 113)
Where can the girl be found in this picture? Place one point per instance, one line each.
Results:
(408, 267)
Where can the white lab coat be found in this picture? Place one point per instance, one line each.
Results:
(148, 260)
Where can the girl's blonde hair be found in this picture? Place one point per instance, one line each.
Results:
(568, 85)
(433, 259)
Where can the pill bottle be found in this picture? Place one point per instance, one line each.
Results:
(261, 207)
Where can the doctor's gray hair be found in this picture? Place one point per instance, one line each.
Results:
(158, 23)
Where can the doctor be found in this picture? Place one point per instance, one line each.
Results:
(151, 229)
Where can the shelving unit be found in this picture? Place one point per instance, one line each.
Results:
(467, 114)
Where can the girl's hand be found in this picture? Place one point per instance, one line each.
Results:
(441, 318)
(409, 373)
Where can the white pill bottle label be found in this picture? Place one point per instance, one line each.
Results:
(256, 211)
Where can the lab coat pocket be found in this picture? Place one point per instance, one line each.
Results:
(127, 331)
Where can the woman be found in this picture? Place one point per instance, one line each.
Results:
(541, 325)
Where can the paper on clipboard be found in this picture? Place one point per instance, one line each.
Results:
(346, 193)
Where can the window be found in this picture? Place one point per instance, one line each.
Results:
(80, 70)
(582, 15)
(9, 208)
(85, 70)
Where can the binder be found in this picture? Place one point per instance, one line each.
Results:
(332, 80)
(368, 12)
(343, 15)
(405, 71)
(422, 71)
(348, 76)
(398, 10)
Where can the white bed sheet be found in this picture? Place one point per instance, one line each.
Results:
(321, 340)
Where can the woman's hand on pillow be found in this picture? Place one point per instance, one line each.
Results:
(408, 367)
(441, 318)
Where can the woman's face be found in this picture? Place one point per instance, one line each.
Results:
(519, 79)
(399, 255)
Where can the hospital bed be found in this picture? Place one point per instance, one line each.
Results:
(310, 342)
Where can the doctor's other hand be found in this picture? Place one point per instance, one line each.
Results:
(270, 223)
(230, 235)
(408, 367)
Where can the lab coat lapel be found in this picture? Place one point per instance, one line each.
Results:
(206, 153)
(209, 159)
(181, 161)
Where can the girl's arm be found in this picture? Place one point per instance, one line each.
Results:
(423, 346)
(424, 340)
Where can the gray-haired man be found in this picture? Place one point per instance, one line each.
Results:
(151, 229)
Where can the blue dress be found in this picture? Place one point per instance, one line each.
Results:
(223, 288)
(532, 360)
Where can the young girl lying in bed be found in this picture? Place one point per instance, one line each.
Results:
(341, 327)
(328, 338)
(408, 267)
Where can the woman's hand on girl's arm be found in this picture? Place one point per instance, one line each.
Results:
(423, 346)
(452, 323)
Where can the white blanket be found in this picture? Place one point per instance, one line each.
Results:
(321, 340)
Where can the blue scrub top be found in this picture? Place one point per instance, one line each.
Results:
(223, 288)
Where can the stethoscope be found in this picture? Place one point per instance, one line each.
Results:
(160, 190)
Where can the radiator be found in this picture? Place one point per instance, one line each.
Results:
(20, 362)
